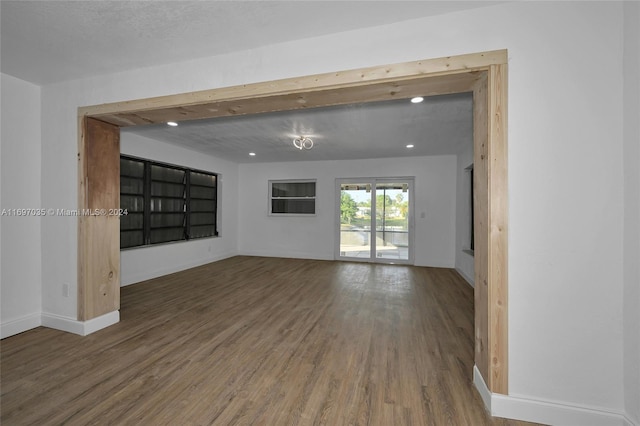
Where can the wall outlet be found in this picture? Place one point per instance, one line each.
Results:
(65, 290)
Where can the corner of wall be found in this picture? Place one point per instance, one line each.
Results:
(463, 274)
(545, 412)
(82, 328)
(631, 241)
(20, 325)
(21, 239)
(481, 387)
(57, 322)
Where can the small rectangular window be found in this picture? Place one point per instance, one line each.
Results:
(292, 197)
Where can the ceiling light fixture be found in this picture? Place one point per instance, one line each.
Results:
(417, 100)
(410, 146)
(172, 123)
(253, 154)
(303, 142)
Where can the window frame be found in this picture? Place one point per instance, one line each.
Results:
(148, 197)
(298, 214)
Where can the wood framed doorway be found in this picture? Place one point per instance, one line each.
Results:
(484, 74)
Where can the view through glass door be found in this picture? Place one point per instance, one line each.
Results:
(375, 220)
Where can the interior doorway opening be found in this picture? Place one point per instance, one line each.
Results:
(484, 74)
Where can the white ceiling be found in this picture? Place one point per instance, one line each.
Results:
(440, 125)
(50, 41)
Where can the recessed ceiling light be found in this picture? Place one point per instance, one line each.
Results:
(172, 123)
(417, 100)
(253, 154)
(410, 146)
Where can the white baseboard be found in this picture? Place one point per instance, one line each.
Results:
(481, 387)
(545, 412)
(435, 264)
(82, 328)
(466, 277)
(159, 272)
(103, 321)
(287, 255)
(317, 256)
(629, 422)
(58, 322)
(19, 325)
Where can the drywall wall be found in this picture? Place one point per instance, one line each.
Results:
(565, 172)
(144, 263)
(464, 258)
(20, 180)
(631, 292)
(565, 204)
(315, 237)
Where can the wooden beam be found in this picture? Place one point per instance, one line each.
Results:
(480, 225)
(491, 218)
(423, 86)
(498, 223)
(98, 225)
(428, 77)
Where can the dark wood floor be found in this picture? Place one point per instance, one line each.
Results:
(260, 341)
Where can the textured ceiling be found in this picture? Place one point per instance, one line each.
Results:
(440, 125)
(49, 41)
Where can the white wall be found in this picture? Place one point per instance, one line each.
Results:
(315, 237)
(464, 259)
(565, 202)
(565, 173)
(631, 293)
(144, 263)
(21, 272)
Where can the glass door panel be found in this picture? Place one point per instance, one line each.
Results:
(392, 220)
(375, 220)
(355, 220)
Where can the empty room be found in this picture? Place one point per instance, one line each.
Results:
(320, 213)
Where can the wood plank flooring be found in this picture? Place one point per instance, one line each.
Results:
(260, 341)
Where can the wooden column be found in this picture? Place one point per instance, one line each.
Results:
(98, 226)
(491, 219)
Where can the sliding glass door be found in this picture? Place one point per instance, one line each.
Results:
(355, 220)
(375, 221)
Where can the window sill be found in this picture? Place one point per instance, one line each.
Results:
(166, 243)
(292, 214)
